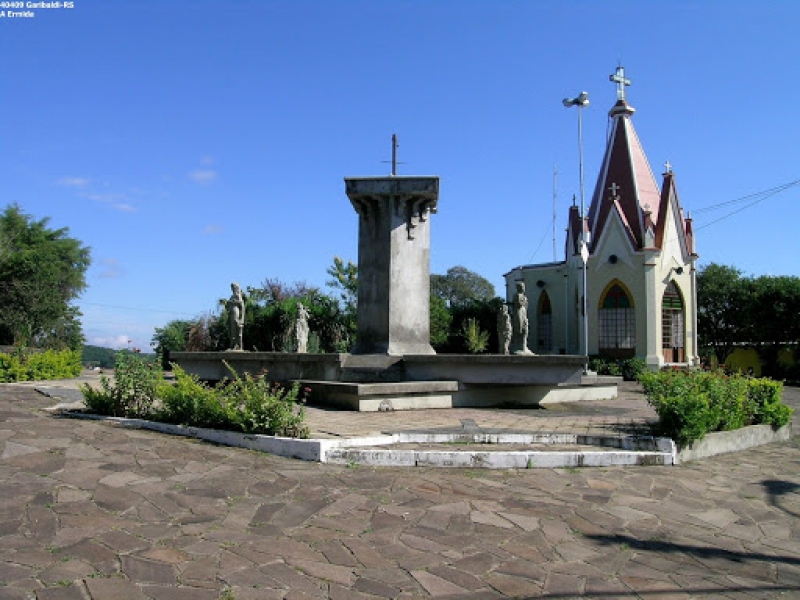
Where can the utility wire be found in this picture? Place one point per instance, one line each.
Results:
(152, 310)
(541, 241)
(760, 197)
(766, 194)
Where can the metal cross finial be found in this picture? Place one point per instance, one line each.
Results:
(394, 161)
(668, 167)
(394, 154)
(619, 78)
(614, 190)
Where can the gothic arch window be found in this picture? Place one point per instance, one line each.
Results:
(544, 324)
(617, 322)
(673, 325)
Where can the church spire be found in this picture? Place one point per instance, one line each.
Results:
(625, 166)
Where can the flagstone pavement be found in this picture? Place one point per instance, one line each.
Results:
(90, 510)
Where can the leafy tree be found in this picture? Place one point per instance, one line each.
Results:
(460, 286)
(484, 315)
(275, 290)
(271, 314)
(171, 338)
(733, 309)
(345, 279)
(98, 356)
(41, 271)
(723, 308)
(777, 299)
(441, 318)
(64, 334)
(201, 334)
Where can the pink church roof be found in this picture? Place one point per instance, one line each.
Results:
(625, 183)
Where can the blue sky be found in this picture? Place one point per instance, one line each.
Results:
(192, 144)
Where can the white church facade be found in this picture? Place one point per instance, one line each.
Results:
(641, 293)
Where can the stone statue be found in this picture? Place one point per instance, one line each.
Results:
(236, 317)
(521, 320)
(301, 329)
(503, 330)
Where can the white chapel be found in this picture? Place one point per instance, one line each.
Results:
(640, 261)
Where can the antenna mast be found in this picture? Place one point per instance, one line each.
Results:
(555, 197)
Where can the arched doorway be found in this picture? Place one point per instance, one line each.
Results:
(673, 328)
(544, 324)
(617, 322)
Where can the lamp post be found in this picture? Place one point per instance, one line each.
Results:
(581, 101)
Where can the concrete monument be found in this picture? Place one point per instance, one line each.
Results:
(393, 262)
(393, 366)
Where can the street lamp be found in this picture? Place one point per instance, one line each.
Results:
(582, 101)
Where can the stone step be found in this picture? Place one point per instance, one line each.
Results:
(371, 368)
(382, 396)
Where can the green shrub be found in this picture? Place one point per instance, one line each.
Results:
(26, 365)
(12, 369)
(690, 404)
(190, 402)
(605, 367)
(261, 407)
(133, 392)
(766, 398)
(475, 338)
(248, 404)
(632, 369)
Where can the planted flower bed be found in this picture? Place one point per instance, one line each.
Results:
(691, 404)
(247, 404)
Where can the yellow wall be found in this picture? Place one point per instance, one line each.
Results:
(744, 360)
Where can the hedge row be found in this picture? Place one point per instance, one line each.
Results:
(692, 403)
(25, 365)
(629, 369)
(247, 404)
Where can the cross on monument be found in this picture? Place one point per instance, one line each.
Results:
(619, 78)
(614, 190)
(394, 161)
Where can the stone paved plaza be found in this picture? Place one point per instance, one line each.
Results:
(89, 510)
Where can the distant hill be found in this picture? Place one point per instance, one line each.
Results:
(104, 358)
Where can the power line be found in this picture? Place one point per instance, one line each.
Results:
(760, 197)
(765, 193)
(152, 310)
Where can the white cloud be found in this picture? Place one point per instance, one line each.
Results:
(117, 341)
(107, 198)
(213, 230)
(73, 182)
(203, 176)
(113, 200)
(110, 269)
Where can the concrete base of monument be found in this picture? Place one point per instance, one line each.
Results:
(417, 395)
(382, 383)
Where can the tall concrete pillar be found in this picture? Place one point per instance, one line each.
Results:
(393, 262)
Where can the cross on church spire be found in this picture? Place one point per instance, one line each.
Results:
(614, 190)
(668, 167)
(619, 78)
